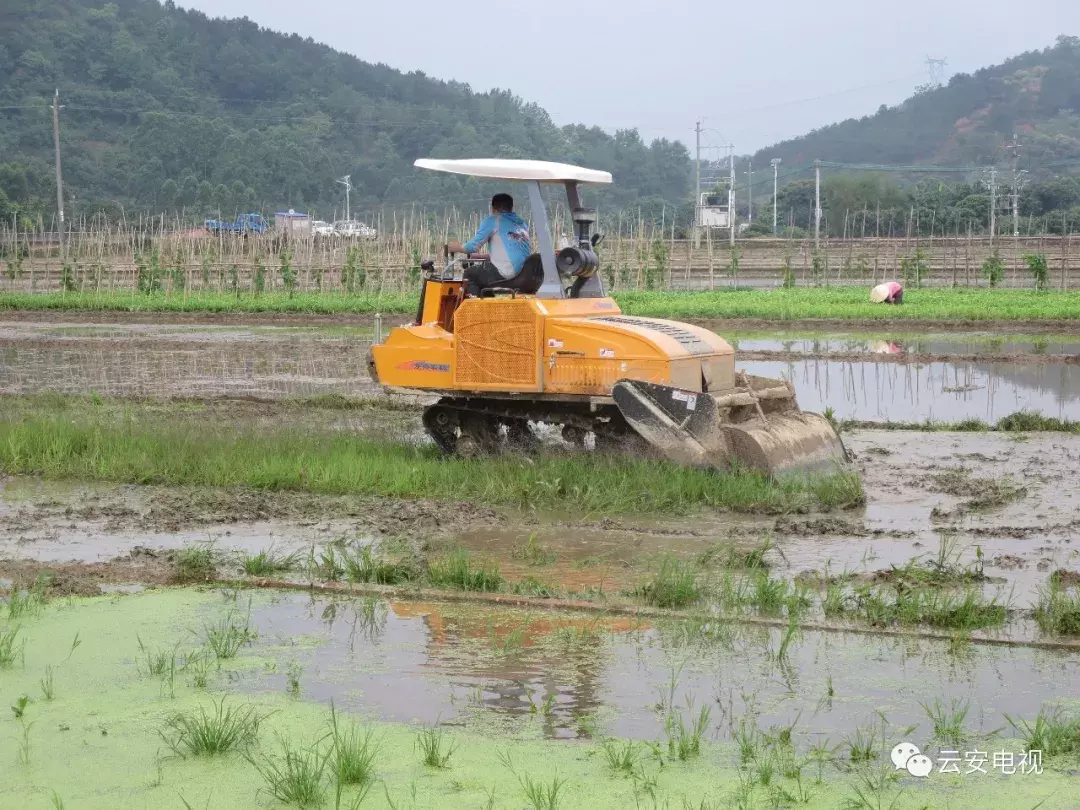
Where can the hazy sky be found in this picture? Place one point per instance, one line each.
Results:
(754, 72)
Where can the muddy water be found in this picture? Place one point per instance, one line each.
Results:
(415, 661)
(939, 391)
(905, 518)
(899, 343)
(190, 360)
(272, 361)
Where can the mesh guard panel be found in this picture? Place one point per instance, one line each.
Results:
(496, 346)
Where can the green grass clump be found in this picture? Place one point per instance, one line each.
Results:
(267, 563)
(435, 748)
(353, 753)
(207, 735)
(948, 722)
(296, 775)
(1058, 609)
(621, 755)
(149, 447)
(195, 564)
(684, 741)
(227, 636)
(458, 569)
(673, 585)
(1053, 732)
(533, 552)
(9, 650)
(364, 566)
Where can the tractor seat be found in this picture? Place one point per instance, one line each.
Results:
(528, 280)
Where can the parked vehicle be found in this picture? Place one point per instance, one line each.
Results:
(243, 224)
(321, 228)
(353, 229)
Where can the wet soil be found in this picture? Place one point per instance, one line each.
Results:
(1020, 539)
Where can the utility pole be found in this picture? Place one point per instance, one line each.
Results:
(775, 188)
(697, 182)
(345, 181)
(817, 205)
(1014, 148)
(750, 191)
(993, 203)
(59, 178)
(731, 192)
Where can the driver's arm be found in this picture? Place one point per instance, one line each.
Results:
(483, 234)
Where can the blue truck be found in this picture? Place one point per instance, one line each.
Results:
(243, 224)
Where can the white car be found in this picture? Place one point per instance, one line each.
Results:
(321, 228)
(354, 229)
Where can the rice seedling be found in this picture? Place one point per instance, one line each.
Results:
(821, 753)
(155, 663)
(621, 755)
(212, 734)
(75, 643)
(195, 564)
(364, 566)
(530, 586)
(511, 642)
(768, 595)
(19, 708)
(666, 703)
(458, 569)
(24, 743)
(227, 636)
(540, 795)
(673, 585)
(533, 552)
(354, 752)
(48, 683)
(684, 742)
(292, 678)
(870, 791)
(948, 722)
(435, 748)
(296, 775)
(57, 802)
(1053, 732)
(749, 738)
(29, 601)
(865, 744)
(329, 565)
(197, 665)
(1058, 609)
(268, 563)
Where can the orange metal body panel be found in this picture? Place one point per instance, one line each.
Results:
(559, 346)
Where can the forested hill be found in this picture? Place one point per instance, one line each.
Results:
(1035, 95)
(165, 108)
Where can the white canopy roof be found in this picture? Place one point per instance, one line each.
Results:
(499, 169)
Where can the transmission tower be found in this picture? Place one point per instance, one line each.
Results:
(935, 69)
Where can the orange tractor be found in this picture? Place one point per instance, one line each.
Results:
(565, 355)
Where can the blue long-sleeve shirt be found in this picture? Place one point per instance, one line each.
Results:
(508, 237)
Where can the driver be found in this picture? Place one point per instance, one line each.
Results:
(506, 236)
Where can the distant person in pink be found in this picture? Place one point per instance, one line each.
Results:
(890, 292)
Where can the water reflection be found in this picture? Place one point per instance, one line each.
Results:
(940, 391)
(570, 674)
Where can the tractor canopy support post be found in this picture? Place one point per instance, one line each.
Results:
(552, 287)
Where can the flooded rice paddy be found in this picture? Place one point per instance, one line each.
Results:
(562, 680)
(863, 377)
